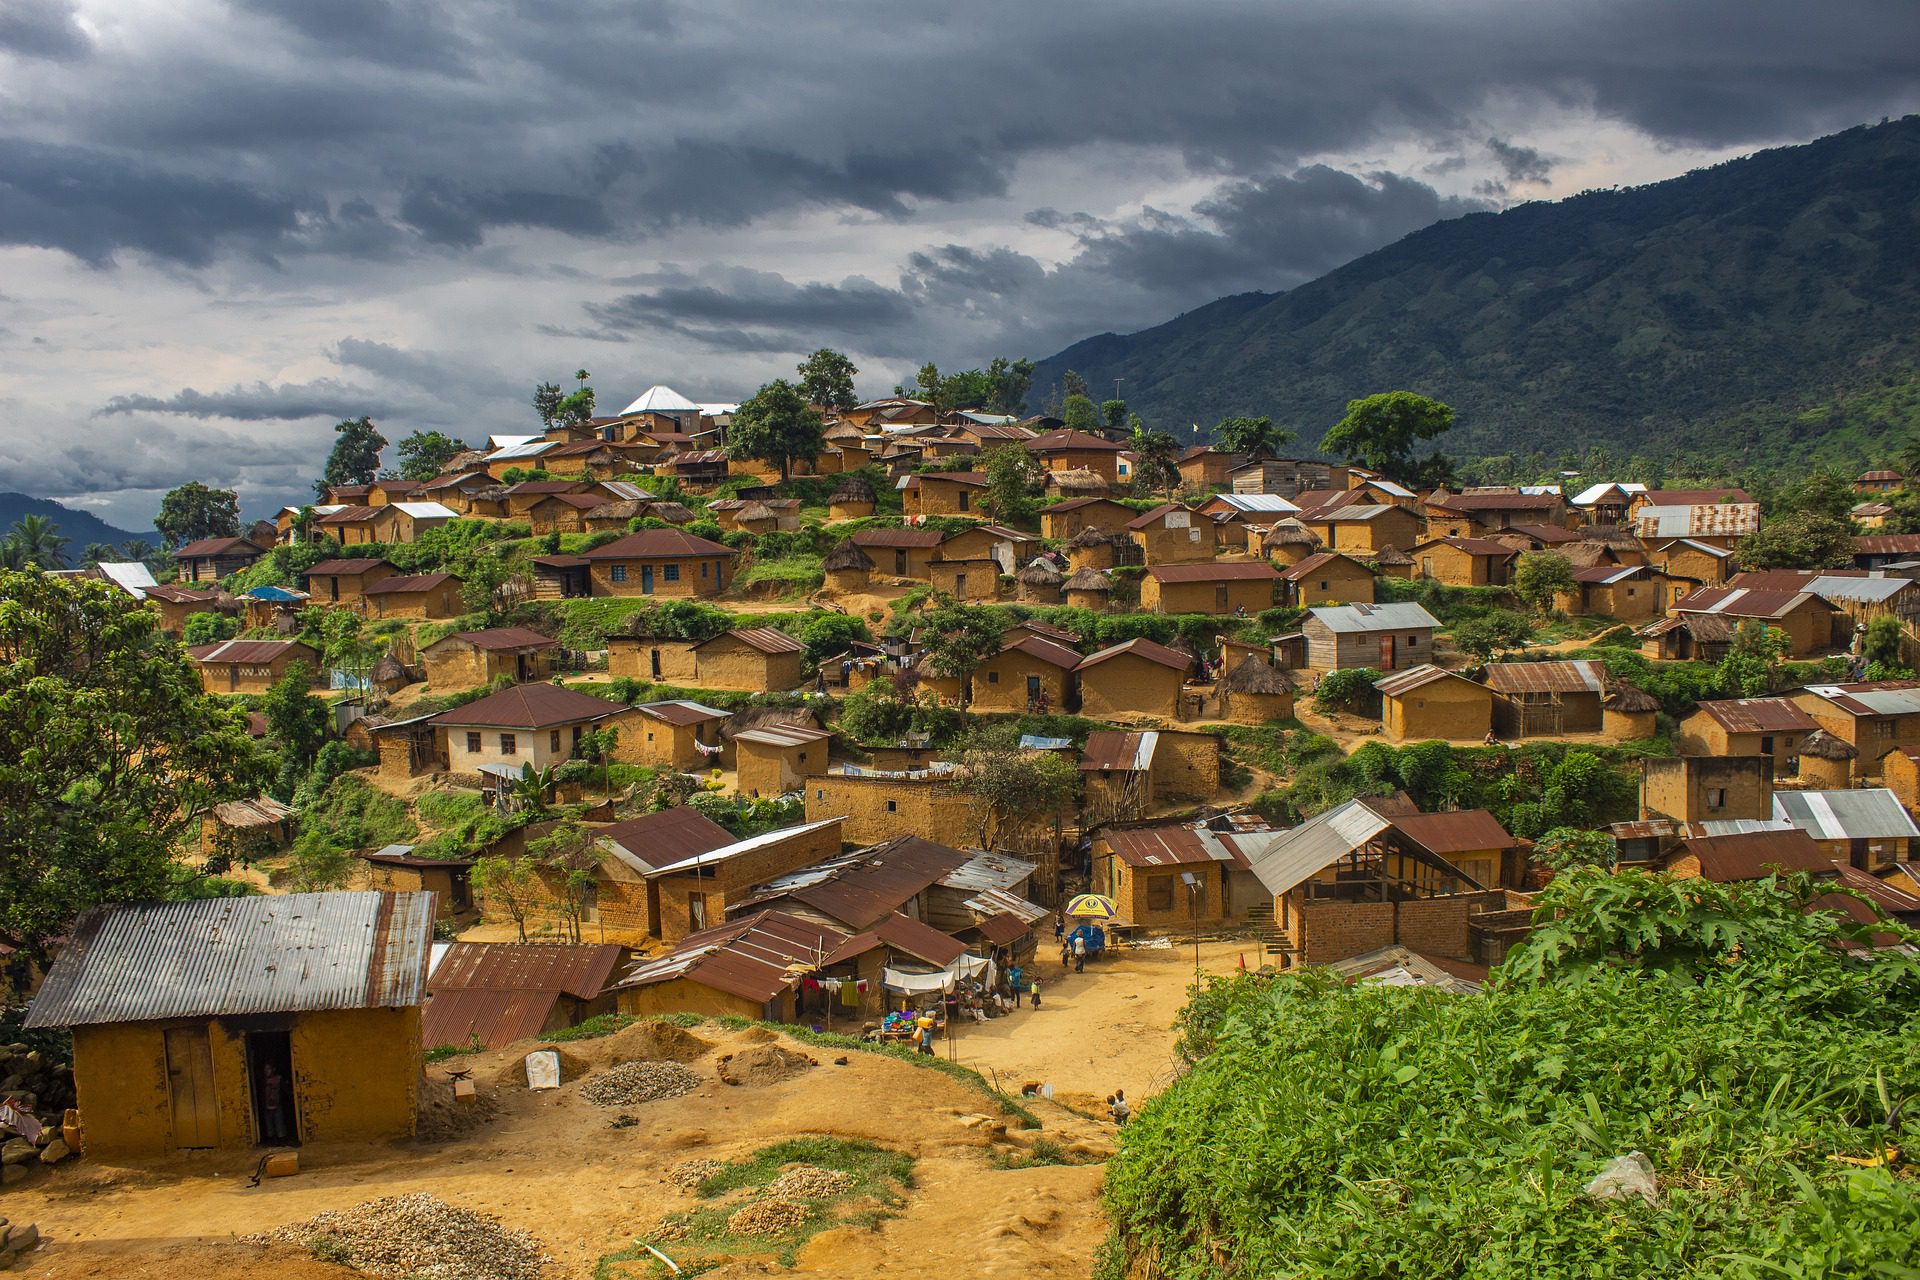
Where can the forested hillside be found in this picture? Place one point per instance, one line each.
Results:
(1752, 315)
(79, 527)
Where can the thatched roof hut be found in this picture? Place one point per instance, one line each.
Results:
(852, 488)
(1079, 480)
(1039, 583)
(1088, 589)
(1627, 698)
(1255, 692)
(755, 513)
(1826, 761)
(848, 555)
(1255, 676)
(1627, 711)
(1825, 746)
(1091, 536)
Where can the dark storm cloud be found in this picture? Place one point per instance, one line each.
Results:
(42, 29)
(402, 33)
(736, 309)
(1521, 164)
(261, 402)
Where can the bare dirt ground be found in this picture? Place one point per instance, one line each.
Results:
(550, 1163)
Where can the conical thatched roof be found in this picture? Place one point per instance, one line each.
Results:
(755, 511)
(847, 556)
(1286, 534)
(1825, 746)
(1628, 698)
(1090, 537)
(1392, 555)
(388, 669)
(1038, 574)
(1089, 580)
(1079, 480)
(852, 489)
(1255, 676)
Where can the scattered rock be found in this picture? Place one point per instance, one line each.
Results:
(809, 1182)
(1625, 1176)
(634, 1082)
(12, 1173)
(764, 1064)
(622, 1121)
(17, 1151)
(54, 1152)
(420, 1236)
(689, 1174)
(767, 1218)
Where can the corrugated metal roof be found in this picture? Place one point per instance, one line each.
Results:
(131, 576)
(738, 848)
(681, 711)
(1754, 855)
(1547, 677)
(1215, 571)
(578, 969)
(1872, 698)
(754, 957)
(1119, 749)
(1399, 966)
(1865, 813)
(921, 941)
(861, 889)
(1000, 902)
(1348, 619)
(1463, 831)
(293, 953)
(530, 706)
(1760, 715)
(1707, 520)
(1405, 682)
(654, 840)
(782, 735)
(1139, 647)
(1003, 929)
(1263, 502)
(1315, 845)
(989, 871)
(248, 652)
(767, 640)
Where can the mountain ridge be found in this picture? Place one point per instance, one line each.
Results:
(80, 527)
(1759, 306)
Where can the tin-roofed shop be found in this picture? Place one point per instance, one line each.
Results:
(240, 1021)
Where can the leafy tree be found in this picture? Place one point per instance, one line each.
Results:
(1799, 540)
(1541, 577)
(826, 380)
(511, 885)
(1380, 431)
(826, 633)
(299, 723)
(1014, 478)
(959, 638)
(547, 398)
(597, 746)
(532, 788)
(1496, 631)
(207, 628)
(13, 556)
(1014, 797)
(424, 453)
(136, 550)
(1350, 689)
(1008, 382)
(1881, 645)
(575, 408)
(40, 541)
(1072, 384)
(356, 455)
(1255, 437)
(1113, 415)
(571, 851)
(111, 753)
(777, 425)
(491, 583)
(1751, 668)
(193, 511)
(1079, 413)
(1156, 461)
(1565, 847)
(1824, 491)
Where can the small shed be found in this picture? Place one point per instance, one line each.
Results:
(494, 993)
(245, 829)
(1039, 583)
(1091, 548)
(1088, 589)
(1430, 702)
(267, 1020)
(1256, 692)
(1388, 637)
(1827, 761)
(1628, 712)
(398, 869)
(751, 659)
(848, 568)
(1547, 699)
(851, 499)
(776, 759)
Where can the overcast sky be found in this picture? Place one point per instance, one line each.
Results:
(226, 225)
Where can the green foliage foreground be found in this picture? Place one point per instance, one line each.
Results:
(1390, 1131)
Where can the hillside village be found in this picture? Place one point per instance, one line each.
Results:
(899, 720)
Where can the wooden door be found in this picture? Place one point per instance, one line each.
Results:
(1386, 653)
(190, 1086)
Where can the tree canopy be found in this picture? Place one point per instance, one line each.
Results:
(1380, 431)
(36, 540)
(1014, 479)
(356, 455)
(777, 425)
(1541, 577)
(1804, 539)
(193, 511)
(826, 380)
(424, 453)
(1255, 437)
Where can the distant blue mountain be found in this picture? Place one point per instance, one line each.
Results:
(80, 526)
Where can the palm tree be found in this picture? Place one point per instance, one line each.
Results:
(98, 553)
(1910, 455)
(43, 541)
(13, 554)
(137, 551)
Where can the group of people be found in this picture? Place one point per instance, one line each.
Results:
(1086, 940)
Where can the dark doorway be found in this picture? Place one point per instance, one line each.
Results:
(270, 1085)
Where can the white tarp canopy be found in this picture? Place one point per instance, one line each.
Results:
(941, 980)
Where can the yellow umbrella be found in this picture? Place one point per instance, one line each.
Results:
(1093, 906)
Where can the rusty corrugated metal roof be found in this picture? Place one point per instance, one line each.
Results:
(656, 840)
(293, 953)
(862, 888)
(579, 969)
(768, 640)
(1754, 855)
(1119, 749)
(1464, 831)
(752, 957)
(1760, 715)
(1546, 677)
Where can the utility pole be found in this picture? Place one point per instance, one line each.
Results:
(1193, 903)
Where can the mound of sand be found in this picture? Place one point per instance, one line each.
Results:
(761, 1065)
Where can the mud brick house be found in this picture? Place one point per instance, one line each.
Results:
(1464, 562)
(1063, 520)
(210, 559)
(248, 666)
(751, 659)
(1232, 513)
(1698, 637)
(396, 868)
(626, 898)
(1129, 774)
(776, 759)
(1707, 788)
(467, 659)
(1255, 691)
(674, 733)
(326, 987)
(1866, 828)
(344, 583)
(701, 889)
(1606, 503)
(878, 804)
(861, 889)
(494, 993)
(1218, 587)
(395, 522)
(1203, 467)
(667, 562)
(651, 658)
(530, 724)
(966, 579)
(1364, 530)
(743, 968)
(1773, 727)
(1873, 717)
(1171, 534)
(1546, 699)
(1137, 677)
(1805, 619)
(457, 491)
(1473, 515)
(1387, 637)
(1144, 869)
(901, 553)
(1287, 477)
(1007, 548)
(1088, 588)
(852, 499)
(418, 595)
(1719, 517)
(560, 512)
(1876, 551)
(1631, 593)
(176, 604)
(1078, 451)
(1684, 560)
(1350, 881)
(1029, 672)
(942, 493)
(1429, 702)
(1328, 577)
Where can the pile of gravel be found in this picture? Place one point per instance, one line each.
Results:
(642, 1081)
(689, 1174)
(767, 1218)
(420, 1236)
(809, 1182)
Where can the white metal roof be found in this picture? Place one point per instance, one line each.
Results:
(426, 510)
(739, 847)
(1388, 486)
(1843, 587)
(1863, 813)
(1315, 845)
(1349, 618)
(1258, 502)
(131, 576)
(1592, 493)
(532, 448)
(718, 410)
(508, 442)
(660, 398)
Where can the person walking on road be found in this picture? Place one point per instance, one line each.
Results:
(1080, 953)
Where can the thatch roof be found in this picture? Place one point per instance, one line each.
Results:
(1091, 536)
(852, 489)
(1627, 698)
(1287, 534)
(754, 511)
(1038, 574)
(1089, 580)
(1392, 555)
(1078, 480)
(846, 557)
(387, 670)
(1585, 554)
(1825, 746)
(624, 509)
(1255, 676)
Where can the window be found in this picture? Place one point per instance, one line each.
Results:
(819, 793)
(553, 741)
(1883, 728)
(1160, 893)
(473, 743)
(893, 806)
(1413, 642)
(965, 498)
(1716, 797)
(672, 573)
(993, 677)
(618, 573)
(703, 568)
(1323, 585)
(507, 745)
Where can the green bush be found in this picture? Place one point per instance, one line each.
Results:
(209, 628)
